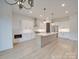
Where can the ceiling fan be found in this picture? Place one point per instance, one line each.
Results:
(21, 3)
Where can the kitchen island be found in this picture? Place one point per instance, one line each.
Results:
(44, 39)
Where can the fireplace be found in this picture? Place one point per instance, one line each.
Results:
(17, 36)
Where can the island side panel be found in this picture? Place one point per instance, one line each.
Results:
(45, 40)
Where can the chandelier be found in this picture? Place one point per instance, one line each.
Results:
(21, 4)
(48, 18)
(44, 14)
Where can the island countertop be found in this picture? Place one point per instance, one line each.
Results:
(46, 34)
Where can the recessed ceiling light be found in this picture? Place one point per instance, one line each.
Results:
(44, 22)
(40, 15)
(30, 11)
(66, 12)
(63, 5)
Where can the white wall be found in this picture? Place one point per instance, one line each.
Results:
(27, 24)
(41, 25)
(23, 25)
(70, 28)
(5, 26)
(73, 23)
(16, 22)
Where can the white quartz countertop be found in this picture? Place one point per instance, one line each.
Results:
(46, 34)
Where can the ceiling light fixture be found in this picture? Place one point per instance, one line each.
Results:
(44, 14)
(47, 18)
(21, 3)
(63, 5)
(30, 11)
(40, 15)
(66, 12)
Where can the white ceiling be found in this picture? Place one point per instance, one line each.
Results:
(52, 6)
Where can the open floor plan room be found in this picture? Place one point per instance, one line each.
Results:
(38, 29)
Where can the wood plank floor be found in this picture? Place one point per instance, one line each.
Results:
(60, 49)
